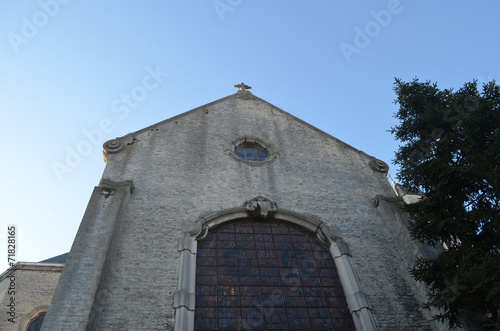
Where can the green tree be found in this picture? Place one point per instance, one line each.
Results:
(450, 152)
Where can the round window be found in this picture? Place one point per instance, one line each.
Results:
(251, 152)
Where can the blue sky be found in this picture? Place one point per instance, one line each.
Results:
(75, 74)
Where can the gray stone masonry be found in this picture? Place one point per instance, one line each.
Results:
(77, 300)
(123, 271)
(32, 287)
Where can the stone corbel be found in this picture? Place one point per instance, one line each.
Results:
(111, 185)
(376, 200)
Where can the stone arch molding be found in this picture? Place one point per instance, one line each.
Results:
(184, 297)
(34, 313)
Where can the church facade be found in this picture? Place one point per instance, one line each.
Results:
(237, 215)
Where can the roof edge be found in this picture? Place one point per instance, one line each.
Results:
(176, 117)
(34, 266)
(317, 129)
(186, 113)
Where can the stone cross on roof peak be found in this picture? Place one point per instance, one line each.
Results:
(242, 87)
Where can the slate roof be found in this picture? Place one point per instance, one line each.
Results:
(56, 259)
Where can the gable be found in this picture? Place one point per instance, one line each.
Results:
(250, 105)
(192, 154)
(211, 132)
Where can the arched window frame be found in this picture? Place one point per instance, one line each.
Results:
(184, 297)
(37, 311)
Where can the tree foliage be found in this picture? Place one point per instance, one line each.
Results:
(450, 152)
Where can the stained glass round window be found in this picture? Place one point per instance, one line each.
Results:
(251, 152)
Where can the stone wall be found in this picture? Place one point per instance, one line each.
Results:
(183, 169)
(32, 286)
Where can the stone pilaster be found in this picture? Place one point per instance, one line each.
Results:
(75, 295)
